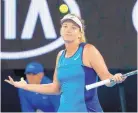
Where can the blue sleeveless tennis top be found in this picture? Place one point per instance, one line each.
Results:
(73, 76)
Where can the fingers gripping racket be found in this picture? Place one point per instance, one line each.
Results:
(94, 85)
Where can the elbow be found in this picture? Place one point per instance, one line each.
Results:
(56, 90)
(58, 93)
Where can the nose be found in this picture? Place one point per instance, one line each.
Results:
(69, 30)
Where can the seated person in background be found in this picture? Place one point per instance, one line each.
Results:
(31, 101)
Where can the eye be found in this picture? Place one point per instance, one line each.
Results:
(64, 26)
(74, 27)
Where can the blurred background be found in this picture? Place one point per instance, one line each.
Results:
(31, 32)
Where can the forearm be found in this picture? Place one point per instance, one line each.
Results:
(105, 76)
(42, 88)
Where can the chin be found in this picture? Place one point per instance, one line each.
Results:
(68, 41)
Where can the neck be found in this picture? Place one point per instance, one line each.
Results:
(71, 47)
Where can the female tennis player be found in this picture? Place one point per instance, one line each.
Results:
(78, 65)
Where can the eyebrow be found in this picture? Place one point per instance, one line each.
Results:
(64, 24)
(72, 24)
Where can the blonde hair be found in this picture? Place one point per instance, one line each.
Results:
(82, 38)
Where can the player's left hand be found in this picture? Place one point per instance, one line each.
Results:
(118, 78)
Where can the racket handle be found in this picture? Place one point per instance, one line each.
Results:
(126, 75)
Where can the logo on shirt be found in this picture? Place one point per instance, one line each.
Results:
(77, 57)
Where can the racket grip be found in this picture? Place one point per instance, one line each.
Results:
(112, 80)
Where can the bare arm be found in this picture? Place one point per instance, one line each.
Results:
(51, 88)
(97, 62)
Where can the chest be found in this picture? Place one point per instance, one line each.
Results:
(70, 73)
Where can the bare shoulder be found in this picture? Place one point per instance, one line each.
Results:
(91, 55)
(89, 48)
(87, 54)
(60, 53)
(91, 52)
